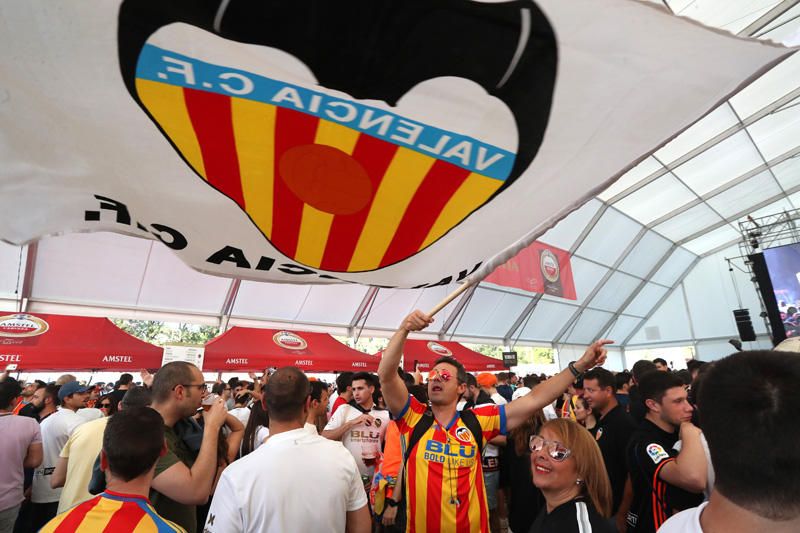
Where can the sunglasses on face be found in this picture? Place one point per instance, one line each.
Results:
(440, 375)
(557, 451)
(105, 405)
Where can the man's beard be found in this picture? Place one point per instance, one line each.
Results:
(37, 408)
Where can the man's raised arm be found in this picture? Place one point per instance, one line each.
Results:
(393, 388)
(523, 408)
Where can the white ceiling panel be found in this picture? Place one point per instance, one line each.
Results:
(277, 301)
(703, 130)
(645, 299)
(331, 304)
(720, 164)
(713, 239)
(656, 199)
(689, 222)
(610, 236)
(12, 269)
(673, 267)
(547, 319)
(94, 275)
(778, 82)
(489, 313)
(785, 29)
(779, 131)
(587, 327)
(586, 275)
(788, 173)
(169, 284)
(646, 254)
(621, 328)
(392, 305)
(564, 234)
(729, 15)
(774, 208)
(750, 192)
(614, 292)
(632, 177)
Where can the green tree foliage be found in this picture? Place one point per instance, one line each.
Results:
(525, 354)
(369, 345)
(161, 333)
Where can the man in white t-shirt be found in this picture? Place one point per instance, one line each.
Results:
(361, 426)
(296, 481)
(56, 430)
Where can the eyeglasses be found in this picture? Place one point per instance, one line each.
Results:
(557, 451)
(201, 386)
(441, 375)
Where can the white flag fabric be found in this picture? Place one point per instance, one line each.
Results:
(383, 142)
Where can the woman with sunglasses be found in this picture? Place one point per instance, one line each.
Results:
(568, 468)
(107, 405)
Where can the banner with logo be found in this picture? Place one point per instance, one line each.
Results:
(401, 144)
(71, 343)
(539, 268)
(256, 349)
(424, 354)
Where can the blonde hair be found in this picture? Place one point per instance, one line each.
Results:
(588, 461)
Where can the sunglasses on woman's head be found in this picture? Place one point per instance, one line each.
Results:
(557, 451)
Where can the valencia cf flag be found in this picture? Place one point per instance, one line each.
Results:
(382, 142)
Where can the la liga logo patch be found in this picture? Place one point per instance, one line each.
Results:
(341, 135)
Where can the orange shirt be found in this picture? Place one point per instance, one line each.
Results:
(444, 478)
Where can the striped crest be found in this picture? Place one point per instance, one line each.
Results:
(333, 183)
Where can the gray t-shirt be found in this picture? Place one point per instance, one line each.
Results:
(18, 432)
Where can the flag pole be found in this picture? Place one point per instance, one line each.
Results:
(450, 297)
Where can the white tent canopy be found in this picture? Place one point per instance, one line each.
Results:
(648, 254)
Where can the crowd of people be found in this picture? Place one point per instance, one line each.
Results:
(586, 450)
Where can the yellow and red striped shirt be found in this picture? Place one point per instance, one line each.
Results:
(444, 478)
(112, 512)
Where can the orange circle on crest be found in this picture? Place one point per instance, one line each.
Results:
(326, 178)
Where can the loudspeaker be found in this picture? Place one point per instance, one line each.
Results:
(509, 359)
(744, 325)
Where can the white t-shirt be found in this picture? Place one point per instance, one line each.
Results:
(491, 450)
(261, 433)
(311, 428)
(361, 439)
(56, 429)
(242, 414)
(687, 521)
(300, 481)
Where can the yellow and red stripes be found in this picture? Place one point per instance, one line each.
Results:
(236, 145)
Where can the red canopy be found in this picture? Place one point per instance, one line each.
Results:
(425, 353)
(57, 342)
(245, 349)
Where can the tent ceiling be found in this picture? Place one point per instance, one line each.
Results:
(631, 245)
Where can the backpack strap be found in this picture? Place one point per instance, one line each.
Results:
(471, 421)
(422, 426)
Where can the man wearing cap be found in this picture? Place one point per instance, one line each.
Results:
(55, 429)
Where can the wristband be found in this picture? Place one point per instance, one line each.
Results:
(388, 502)
(575, 372)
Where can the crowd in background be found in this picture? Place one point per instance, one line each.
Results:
(710, 448)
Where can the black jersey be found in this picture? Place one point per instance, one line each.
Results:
(575, 516)
(654, 500)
